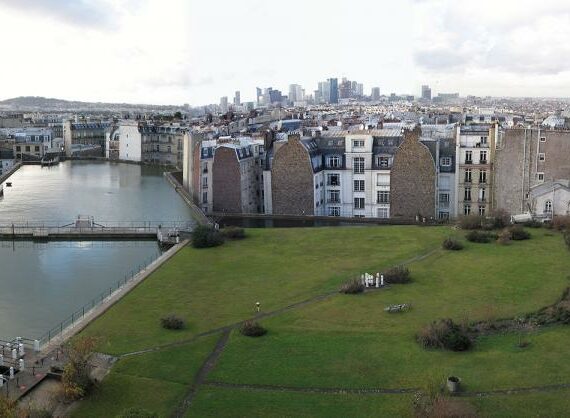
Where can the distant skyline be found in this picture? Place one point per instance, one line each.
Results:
(190, 51)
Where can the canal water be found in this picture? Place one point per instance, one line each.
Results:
(43, 283)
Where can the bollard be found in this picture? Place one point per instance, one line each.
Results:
(1, 380)
(14, 354)
(1, 360)
(21, 364)
(11, 373)
(21, 352)
(37, 346)
(381, 280)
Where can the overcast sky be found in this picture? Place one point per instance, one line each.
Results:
(195, 51)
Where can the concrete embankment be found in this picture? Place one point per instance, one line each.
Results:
(7, 175)
(197, 213)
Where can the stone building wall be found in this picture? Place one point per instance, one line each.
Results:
(517, 164)
(226, 179)
(292, 179)
(412, 179)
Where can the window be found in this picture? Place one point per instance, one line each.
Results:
(18, 148)
(205, 182)
(482, 177)
(445, 161)
(444, 200)
(467, 195)
(468, 157)
(333, 179)
(358, 143)
(205, 197)
(481, 210)
(383, 213)
(358, 185)
(540, 176)
(334, 211)
(468, 176)
(467, 209)
(358, 165)
(334, 161)
(548, 206)
(37, 149)
(541, 156)
(483, 140)
(27, 148)
(482, 194)
(542, 139)
(358, 203)
(383, 196)
(483, 157)
(383, 179)
(383, 162)
(333, 196)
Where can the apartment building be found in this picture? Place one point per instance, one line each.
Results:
(224, 175)
(475, 149)
(531, 164)
(91, 134)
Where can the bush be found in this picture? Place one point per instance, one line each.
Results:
(452, 244)
(233, 232)
(397, 275)
(76, 379)
(352, 287)
(480, 237)
(252, 329)
(136, 412)
(560, 223)
(567, 238)
(499, 219)
(172, 322)
(518, 233)
(504, 237)
(204, 236)
(470, 222)
(533, 224)
(444, 334)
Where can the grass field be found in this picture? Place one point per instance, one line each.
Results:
(343, 341)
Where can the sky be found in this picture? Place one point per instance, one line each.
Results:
(195, 51)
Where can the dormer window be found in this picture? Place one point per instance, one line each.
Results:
(383, 161)
(334, 161)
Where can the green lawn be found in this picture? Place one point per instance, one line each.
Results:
(219, 286)
(216, 402)
(155, 381)
(343, 341)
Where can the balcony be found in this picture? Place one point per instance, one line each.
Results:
(468, 161)
(333, 200)
(483, 162)
(333, 183)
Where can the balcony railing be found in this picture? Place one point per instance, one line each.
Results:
(333, 183)
(333, 200)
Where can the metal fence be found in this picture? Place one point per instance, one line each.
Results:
(101, 299)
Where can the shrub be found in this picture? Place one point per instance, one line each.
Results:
(172, 322)
(444, 334)
(567, 238)
(470, 222)
(204, 236)
(452, 244)
(136, 412)
(504, 237)
(560, 223)
(518, 233)
(533, 224)
(398, 274)
(76, 377)
(252, 329)
(480, 237)
(499, 218)
(233, 232)
(352, 287)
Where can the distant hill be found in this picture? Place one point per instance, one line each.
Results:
(45, 104)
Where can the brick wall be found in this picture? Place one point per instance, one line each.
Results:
(292, 179)
(412, 179)
(226, 181)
